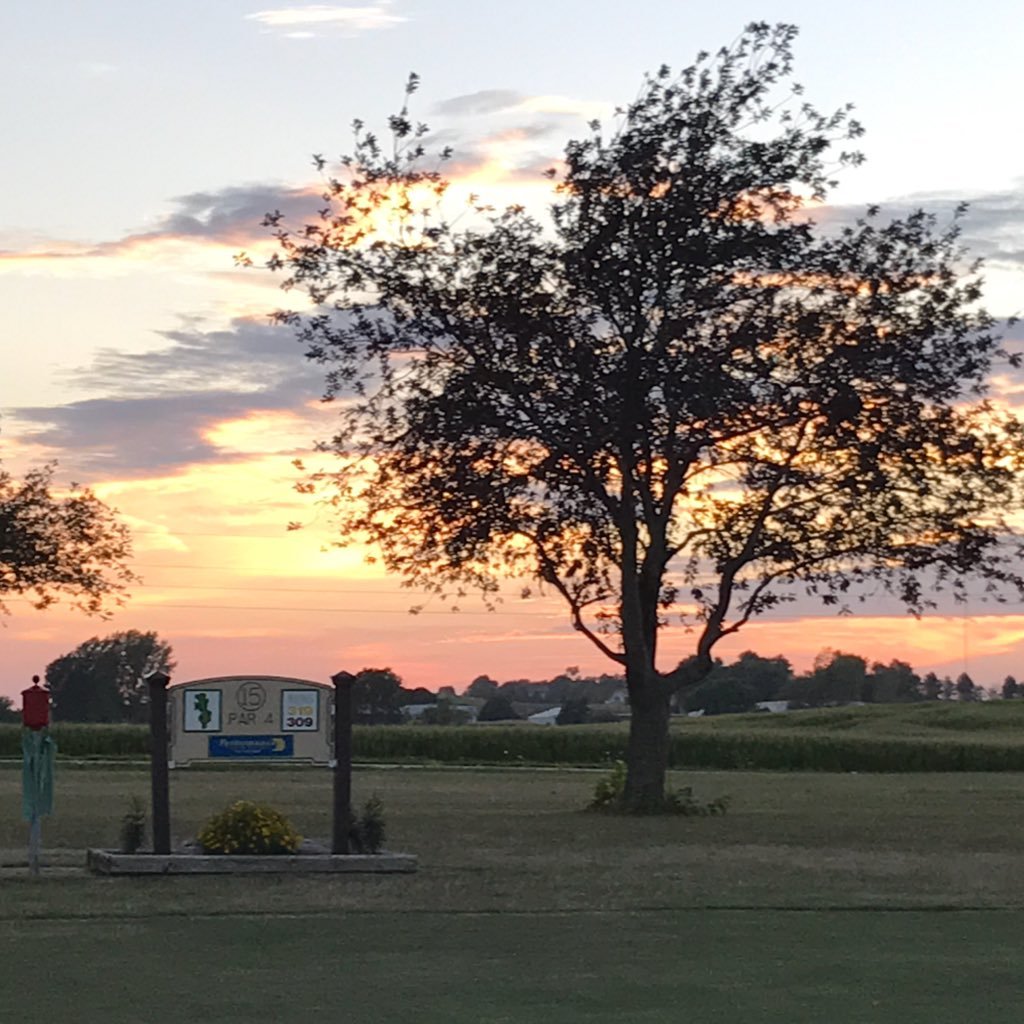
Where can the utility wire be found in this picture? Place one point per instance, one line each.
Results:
(452, 611)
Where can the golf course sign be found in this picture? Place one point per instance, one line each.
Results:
(250, 718)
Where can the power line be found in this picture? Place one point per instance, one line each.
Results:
(348, 611)
(186, 565)
(284, 531)
(279, 590)
(453, 611)
(273, 590)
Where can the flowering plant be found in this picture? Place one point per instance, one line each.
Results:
(246, 827)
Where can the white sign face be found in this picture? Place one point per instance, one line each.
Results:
(202, 711)
(300, 710)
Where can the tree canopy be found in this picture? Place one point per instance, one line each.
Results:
(50, 546)
(673, 397)
(104, 679)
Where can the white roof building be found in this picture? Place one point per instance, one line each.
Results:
(548, 717)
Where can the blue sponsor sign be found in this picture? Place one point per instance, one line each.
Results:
(251, 746)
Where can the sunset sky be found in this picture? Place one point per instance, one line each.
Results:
(143, 142)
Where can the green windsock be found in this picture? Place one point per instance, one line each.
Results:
(38, 751)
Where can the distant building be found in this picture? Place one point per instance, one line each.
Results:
(775, 706)
(468, 711)
(547, 717)
(414, 711)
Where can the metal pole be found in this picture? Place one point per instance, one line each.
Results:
(158, 762)
(342, 759)
(35, 839)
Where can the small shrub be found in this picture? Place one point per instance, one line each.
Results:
(610, 792)
(133, 826)
(249, 828)
(682, 801)
(367, 832)
(609, 789)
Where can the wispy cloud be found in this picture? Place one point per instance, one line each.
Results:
(97, 69)
(486, 101)
(305, 22)
(493, 101)
(229, 217)
(992, 228)
(163, 410)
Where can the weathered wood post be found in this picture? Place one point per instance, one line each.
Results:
(342, 759)
(159, 774)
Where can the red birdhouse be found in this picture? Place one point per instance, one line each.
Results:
(35, 706)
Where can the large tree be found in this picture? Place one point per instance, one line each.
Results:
(51, 545)
(674, 396)
(104, 679)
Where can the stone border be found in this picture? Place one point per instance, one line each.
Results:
(109, 862)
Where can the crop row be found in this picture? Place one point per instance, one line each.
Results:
(805, 750)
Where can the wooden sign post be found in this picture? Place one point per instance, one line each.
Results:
(159, 775)
(342, 760)
(255, 719)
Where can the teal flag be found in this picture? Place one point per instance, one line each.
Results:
(38, 751)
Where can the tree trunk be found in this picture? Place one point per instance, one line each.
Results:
(647, 753)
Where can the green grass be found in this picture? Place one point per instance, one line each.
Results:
(537, 969)
(856, 898)
(996, 719)
(496, 840)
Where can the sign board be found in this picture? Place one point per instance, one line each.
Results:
(250, 718)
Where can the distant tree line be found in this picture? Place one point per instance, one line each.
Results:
(103, 680)
(835, 678)
(567, 685)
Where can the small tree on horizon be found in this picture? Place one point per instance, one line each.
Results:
(8, 712)
(497, 709)
(676, 398)
(482, 687)
(377, 697)
(575, 711)
(966, 690)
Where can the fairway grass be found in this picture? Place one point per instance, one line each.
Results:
(518, 839)
(706, 966)
(817, 897)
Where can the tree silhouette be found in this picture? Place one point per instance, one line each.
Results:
(674, 397)
(377, 697)
(104, 679)
(50, 546)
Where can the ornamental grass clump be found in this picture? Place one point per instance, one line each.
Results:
(367, 831)
(246, 827)
(133, 826)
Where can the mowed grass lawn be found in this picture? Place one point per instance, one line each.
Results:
(817, 897)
